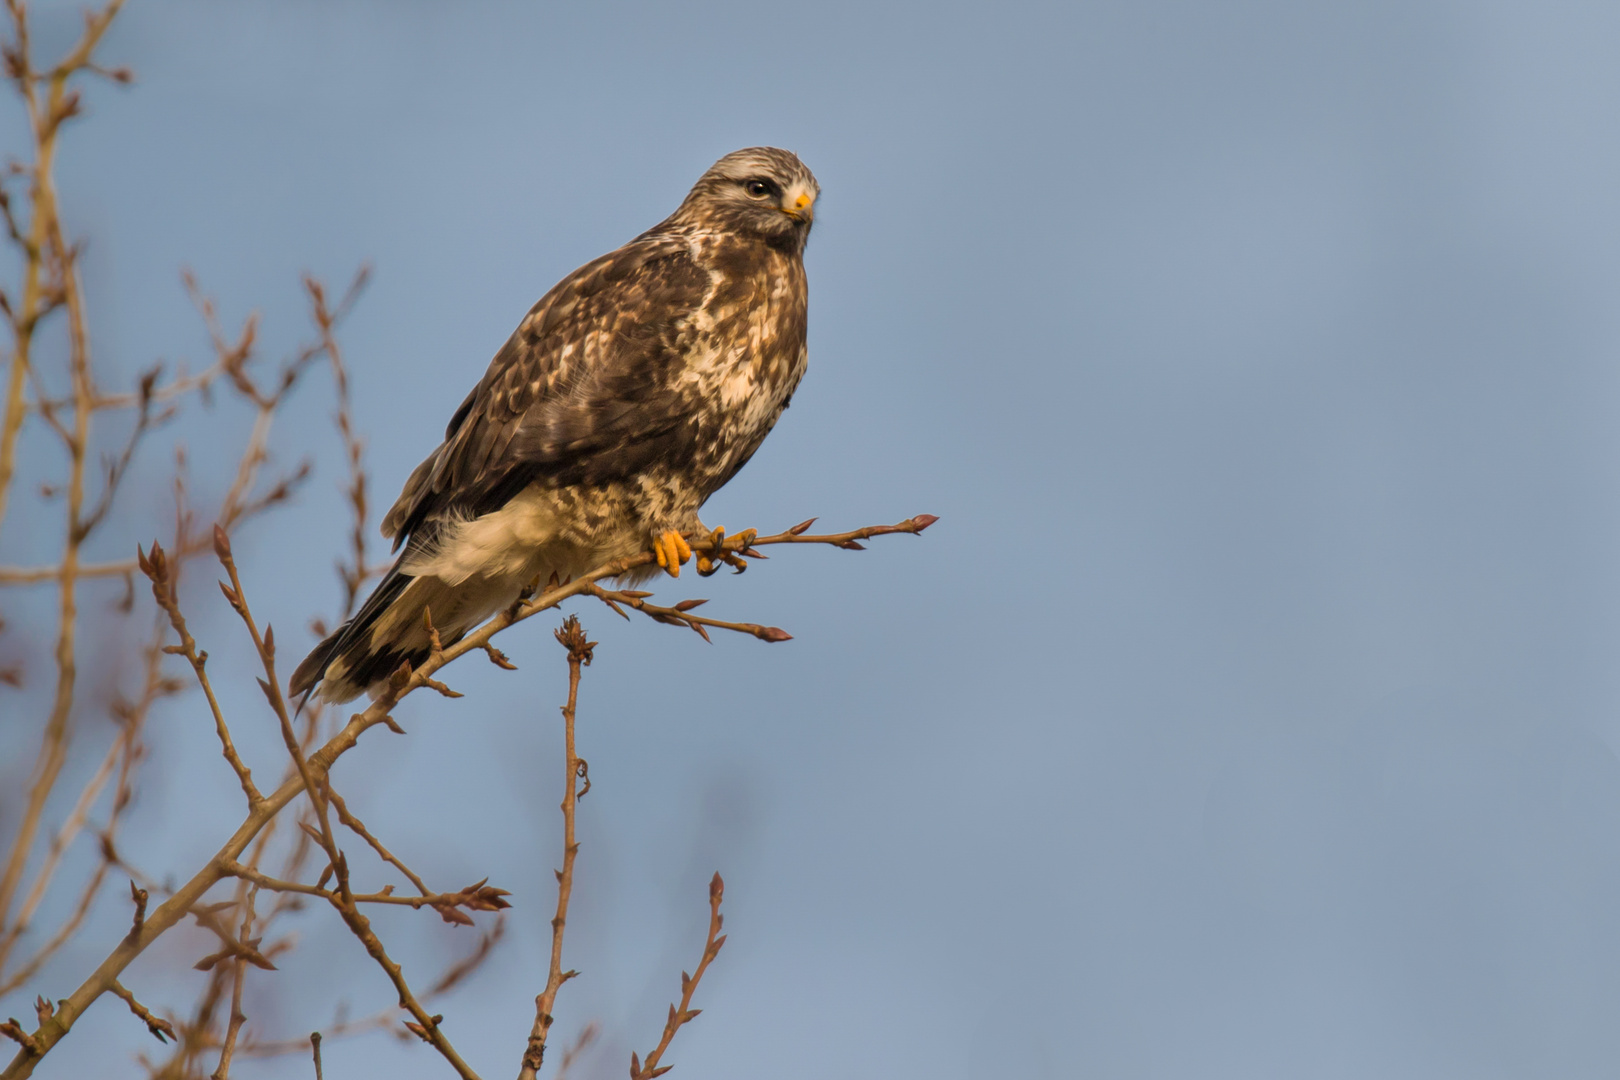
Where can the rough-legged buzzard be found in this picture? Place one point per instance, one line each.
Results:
(629, 394)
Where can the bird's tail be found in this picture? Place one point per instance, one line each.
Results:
(387, 631)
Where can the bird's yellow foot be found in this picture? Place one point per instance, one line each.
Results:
(706, 562)
(710, 561)
(672, 551)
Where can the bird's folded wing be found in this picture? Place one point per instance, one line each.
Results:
(584, 391)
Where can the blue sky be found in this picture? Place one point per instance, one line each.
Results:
(1251, 709)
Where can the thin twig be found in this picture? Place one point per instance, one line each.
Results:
(33, 575)
(160, 1028)
(358, 827)
(355, 572)
(265, 645)
(37, 299)
(572, 638)
(587, 1035)
(234, 1027)
(685, 1014)
(59, 844)
(476, 897)
(162, 572)
(386, 1018)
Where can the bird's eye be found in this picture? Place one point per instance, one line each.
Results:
(758, 188)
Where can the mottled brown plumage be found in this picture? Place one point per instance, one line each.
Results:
(629, 394)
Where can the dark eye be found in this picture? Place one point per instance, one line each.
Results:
(758, 188)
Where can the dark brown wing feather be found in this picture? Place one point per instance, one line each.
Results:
(580, 393)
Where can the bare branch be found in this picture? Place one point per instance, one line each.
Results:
(234, 1027)
(572, 637)
(160, 1028)
(45, 116)
(358, 827)
(262, 813)
(162, 573)
(354, 572)
(685, 1014)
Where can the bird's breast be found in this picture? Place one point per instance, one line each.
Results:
(746, 343)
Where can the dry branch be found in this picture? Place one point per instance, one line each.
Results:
(50, 282)
(680, 1016)
(160, 1028)
(580, 653)
(319, 763)
(313, 740)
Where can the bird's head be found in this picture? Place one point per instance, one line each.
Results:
(760, 190)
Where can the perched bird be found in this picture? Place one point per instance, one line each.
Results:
(627, 396)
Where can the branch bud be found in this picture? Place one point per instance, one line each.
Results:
(222, 544)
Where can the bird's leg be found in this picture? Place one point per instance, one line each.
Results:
(708, 562)
(672, 551)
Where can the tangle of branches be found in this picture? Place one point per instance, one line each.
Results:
(287, 853)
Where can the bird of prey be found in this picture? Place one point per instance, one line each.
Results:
(627, 396)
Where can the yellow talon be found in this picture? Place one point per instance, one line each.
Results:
(672, 551)
(706, 564)
(723, 554)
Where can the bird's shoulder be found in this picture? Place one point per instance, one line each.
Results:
(604, 314)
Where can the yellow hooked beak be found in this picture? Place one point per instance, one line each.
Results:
(798, 204)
